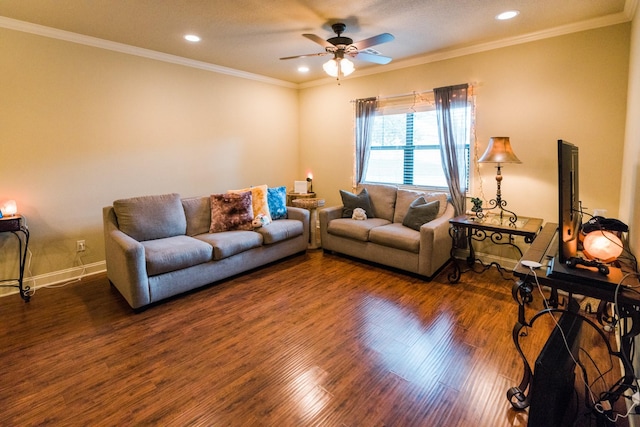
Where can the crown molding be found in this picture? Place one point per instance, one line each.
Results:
(41, 30)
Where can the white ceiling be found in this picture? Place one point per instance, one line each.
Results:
(251, 35)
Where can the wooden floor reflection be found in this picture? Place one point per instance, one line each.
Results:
(316, 340)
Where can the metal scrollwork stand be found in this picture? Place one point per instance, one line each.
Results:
(498, 203)
(520, 396)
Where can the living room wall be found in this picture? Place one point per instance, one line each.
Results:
(571, 87)
(82, 126)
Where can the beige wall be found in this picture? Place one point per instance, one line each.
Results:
(572, 87)
(82, 126)
(630, 189)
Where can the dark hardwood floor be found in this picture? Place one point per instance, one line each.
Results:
(315, 340)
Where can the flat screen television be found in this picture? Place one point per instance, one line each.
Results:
(569, 227)
(569, 212)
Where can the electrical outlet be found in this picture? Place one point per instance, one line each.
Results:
(80, 246)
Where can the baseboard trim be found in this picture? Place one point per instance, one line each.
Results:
(56, 278)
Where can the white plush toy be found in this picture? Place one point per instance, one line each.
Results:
(359, 213)
(260, 220)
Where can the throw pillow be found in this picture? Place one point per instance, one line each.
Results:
(351, 201)
(420, 212)
(231, 211)
(151, 217)
(259, 200)
(277, 201)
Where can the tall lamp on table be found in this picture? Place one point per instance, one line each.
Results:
(499, 151)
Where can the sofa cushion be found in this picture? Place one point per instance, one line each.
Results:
(383, 199)
(406, 197)
(355, 229)
(151, 217)
(443, 198)
(396, 236)
(228, 243)
(175, 253)
(352, 201)
(277, 200)
(198, 213)
(259, 200)
(231, 211)
(420, 212)
(281, 229)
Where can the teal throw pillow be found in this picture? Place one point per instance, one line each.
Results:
(351, 201)
(420, 212)
(277, 200)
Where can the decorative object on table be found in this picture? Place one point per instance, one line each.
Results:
(499, 151)
(310, 183)
(359, 214)
(9, 208)
(477, 204)
(602, 239)
(300, 187)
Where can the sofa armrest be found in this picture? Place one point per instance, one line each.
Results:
(326, 215)
(300, 214)
(125, 258)
(435, 242)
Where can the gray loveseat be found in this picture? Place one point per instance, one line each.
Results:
(160, 246)
(384, 239)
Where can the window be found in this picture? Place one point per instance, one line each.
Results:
(405, 146)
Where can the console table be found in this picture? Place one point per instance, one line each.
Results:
(499, 230)
(542, 250)
(16, 225)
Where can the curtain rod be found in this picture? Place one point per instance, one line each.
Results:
(424, 92)
(414, 93)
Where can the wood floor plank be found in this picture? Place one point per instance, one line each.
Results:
(314, 340)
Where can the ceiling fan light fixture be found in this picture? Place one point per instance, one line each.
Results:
(336, 66)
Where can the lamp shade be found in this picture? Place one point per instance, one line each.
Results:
(499, 151)
(336, 66)
(602, 245)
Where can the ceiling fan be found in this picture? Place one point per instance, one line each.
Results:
(341, 47)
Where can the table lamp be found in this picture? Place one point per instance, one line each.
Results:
(499, 151)
(602, 245)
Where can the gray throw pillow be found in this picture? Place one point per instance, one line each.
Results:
(420, 212)
(351, 201)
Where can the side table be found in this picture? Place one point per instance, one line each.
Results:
(292, 196)
(312, 204)
(16, 225)
(490, 227)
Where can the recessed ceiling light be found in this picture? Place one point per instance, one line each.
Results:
(303, 69)
(192, 38)
(508, 15)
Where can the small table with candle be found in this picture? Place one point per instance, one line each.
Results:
(312, 204)
(16, 225)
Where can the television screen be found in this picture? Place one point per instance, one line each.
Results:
(569, 217)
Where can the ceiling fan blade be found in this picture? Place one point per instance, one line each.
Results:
(306, 56)
(372, 41)
(378, 59)
(322, 42)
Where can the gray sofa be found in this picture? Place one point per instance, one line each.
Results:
(384, 239)
(160, 246)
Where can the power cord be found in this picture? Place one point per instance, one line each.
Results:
(603, 405)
